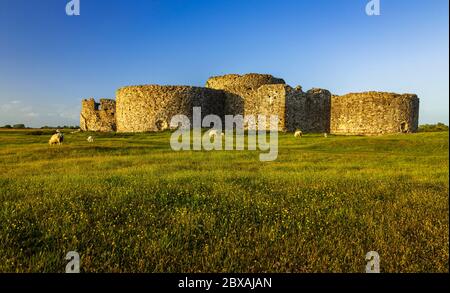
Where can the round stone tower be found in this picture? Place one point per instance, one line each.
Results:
(241, 91)
(374, 113)
(151, 107)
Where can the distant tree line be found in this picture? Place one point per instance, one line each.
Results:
(422, 128)
(433, 127)
(15, 126)
(22, 126)
(60, 127)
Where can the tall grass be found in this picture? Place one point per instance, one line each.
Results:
(128, 203)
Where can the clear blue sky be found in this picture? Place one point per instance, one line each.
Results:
(50, 61)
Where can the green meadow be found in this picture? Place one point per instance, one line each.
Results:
(128, 203)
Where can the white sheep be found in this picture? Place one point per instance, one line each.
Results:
(212, 133)
(56, 138)
(76, 131)
(325, 135)
(90, 139)
(298, 133)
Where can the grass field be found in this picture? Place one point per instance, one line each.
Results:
(128, 203)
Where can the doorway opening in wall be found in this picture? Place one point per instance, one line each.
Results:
(404, 127)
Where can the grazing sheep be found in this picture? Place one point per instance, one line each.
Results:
(56, 138)
(90, 139)
(212, 133)
(76, 131)
(298, 133)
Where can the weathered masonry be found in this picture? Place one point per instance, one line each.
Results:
(151, 107)
(98, 116)
(261, 94)
(374, 113)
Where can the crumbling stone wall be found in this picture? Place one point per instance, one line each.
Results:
(241, 91)
(98, 116)
(374, 113)
(251, 80)
(151, 107)
(262, 94)
(310, 112)
(270, 99)
(251, 94)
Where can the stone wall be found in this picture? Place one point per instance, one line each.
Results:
(270, 99)
(310, 112)
(151, 107)
(251, 80)
(262, 94)
(241, 91)
(251, 94)
(98, 116)
(374, 113)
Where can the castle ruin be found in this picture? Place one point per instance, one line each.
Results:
(98, 116)
(374, 113)
(151, 107)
